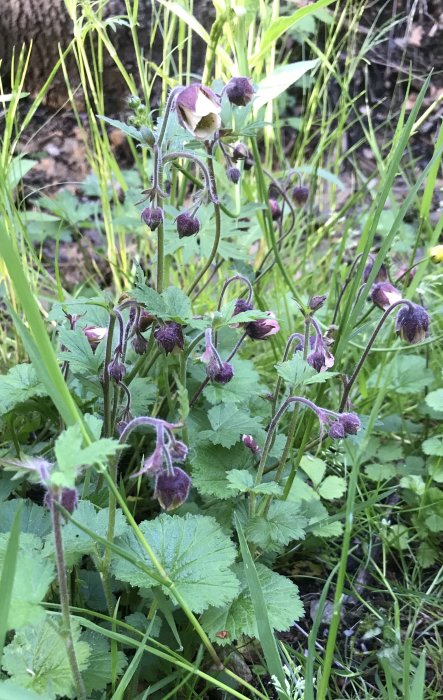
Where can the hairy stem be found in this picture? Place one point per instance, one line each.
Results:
(64, 599)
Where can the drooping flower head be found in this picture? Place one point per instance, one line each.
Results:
(187, 225)
(384, 294)
(94, 335)
(382, 274)
(169, 337)
(275, 208)
(262, 328)
(172, 488)
(216, 370)
(320, 358)
(152, 217)
(300, 194)
(198, 110)
(240, 91)
(412, 323)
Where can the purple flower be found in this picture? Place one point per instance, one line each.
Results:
(240, 91)
(263, 328)
(95, 334)
(320, 358)
(233, 175)
(145, 320)
(153, 464)
(412, 323)
(139, 344)
(250, 443)
(351, 423)
(300, 194)
(198, 110)
(116, 370)
(241, 305)
(241, 152)
(178, 451)
(187, 225)
(336, 431)
(172, 488)
(384, 294)
(316, 302)
(170, 336)
(275, 209)
(382, 274)
(222, 374)
(152, 217)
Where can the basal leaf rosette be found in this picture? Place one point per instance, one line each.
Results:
(194, 552)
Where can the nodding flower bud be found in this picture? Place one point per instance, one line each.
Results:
(240, 91)
(316, 302)
(412, 323)
(384, 294)
(145, 320)
(222, 374)
(198, 110)
(263, 328)
(241, 305)
(94, 334)
(116, 370)
(336, 431)
(250, 443)
(172, 488)
(436, 254)
(187, 225)
(351, 423)
(68, 499)
(147, 136)
(382, 274)
(139, 344)
(169, 337)
(241, 152)
(275, 209)
(233, 175)
(320, 360)
(178, 451)
(300, 194)
(152, 217)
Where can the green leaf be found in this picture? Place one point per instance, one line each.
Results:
(101, 664)
(71, 455)
(435, 400)
(238, 390)
(228, 424)
(143, 394)
(178, 305)
(295, 371)
(281, 599)
(273, 531)
(127, 129)
(11, 691)
(17, 170)
(76, 542)
(433, 446)
(211, 465)
(150, 299)
(37, 658)
(33, 576)
(314, 467)
(20, 384)
(405, 374)
(281, 78)
(195, 554)
(81, 357)
(35, 519)
(242, 481)
(332, 487)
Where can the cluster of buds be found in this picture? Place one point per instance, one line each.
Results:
(216, 370)
(171, 483)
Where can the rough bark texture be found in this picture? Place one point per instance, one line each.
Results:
(47, 24)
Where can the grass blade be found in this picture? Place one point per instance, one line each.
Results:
(8, 575)
(265, 631)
